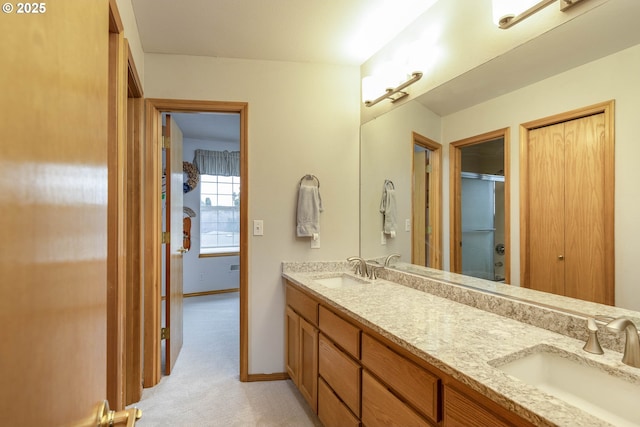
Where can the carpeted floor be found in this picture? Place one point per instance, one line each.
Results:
(204, 389)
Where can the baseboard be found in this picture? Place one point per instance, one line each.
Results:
(278, 376)
(214, 292)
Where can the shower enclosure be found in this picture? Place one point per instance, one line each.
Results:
(482, 242)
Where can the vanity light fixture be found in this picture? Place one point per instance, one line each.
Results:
(507, 13)
(397, 93)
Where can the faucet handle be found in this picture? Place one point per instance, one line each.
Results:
(593, 344)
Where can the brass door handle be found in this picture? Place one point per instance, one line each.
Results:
(561, 257)
(109, 418)
(182, 250)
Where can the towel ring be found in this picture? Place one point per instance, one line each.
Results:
(389, 182)
(310, 177)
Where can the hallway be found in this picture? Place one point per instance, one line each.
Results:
(204, 389)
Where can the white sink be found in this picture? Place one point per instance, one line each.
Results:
(340, 281)
(608, 397)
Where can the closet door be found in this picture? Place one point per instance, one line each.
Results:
(545, 214)
(585, 208)
(567, 218)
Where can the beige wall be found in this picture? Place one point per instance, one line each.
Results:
(387, 153)
(612, 77)
(303, 118)
(131, 34)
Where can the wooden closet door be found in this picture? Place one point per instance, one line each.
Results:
(546, 218)
(585, 208)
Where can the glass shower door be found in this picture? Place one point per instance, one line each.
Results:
(478, 225)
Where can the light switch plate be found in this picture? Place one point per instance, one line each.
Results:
(383, 238)
(258, 227)
(407, 225)
(315, 243)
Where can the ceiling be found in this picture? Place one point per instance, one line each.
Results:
(324, 31)
(349, 32)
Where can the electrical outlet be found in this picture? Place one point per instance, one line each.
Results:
(315, 243)
(258, 227)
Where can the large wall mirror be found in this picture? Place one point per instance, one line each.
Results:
(387, 153)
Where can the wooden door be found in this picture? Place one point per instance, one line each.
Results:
(567, 215)
(173, 249)
(53, 213)
(585, 209)
(420, 221)
(546, 209)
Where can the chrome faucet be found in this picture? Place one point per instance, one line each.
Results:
(360, 265)
(389, 258)
(631, 354)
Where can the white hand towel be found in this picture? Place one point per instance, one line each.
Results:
(309, 208)
(388, 209)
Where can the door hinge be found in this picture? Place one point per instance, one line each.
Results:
(164, 334)
(428, 169)
(166, 142)
(166, 237)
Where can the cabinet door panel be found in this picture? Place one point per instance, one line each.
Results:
(308, 383)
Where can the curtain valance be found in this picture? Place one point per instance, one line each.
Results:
(221, 163)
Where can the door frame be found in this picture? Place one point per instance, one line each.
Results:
(607, 108)
(455, 198)
(435, 198)
(153, 226)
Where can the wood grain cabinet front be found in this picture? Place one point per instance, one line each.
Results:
(302, 344)
(381, 408)
(332, 412)
(412, 382)
(464, 407)
(341, 373)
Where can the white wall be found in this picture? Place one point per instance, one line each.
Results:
(612, 77)
(303, 118)
(207, 273)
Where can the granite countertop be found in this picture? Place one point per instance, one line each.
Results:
(460, 340)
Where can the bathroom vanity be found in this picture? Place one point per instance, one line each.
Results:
(411, 350)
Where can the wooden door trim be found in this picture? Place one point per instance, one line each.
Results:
(455, 205)
(606, 108)
(435, 191)
(116, 211)
(152, 258)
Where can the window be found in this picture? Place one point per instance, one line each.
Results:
(219, 214)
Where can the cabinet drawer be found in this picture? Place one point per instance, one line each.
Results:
(331, 411)
(466, 409)
(302, 304)
(340, 372)
(340, 331)
(416, 385)
(381, 408)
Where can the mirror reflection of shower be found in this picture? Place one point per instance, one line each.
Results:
(482, 209)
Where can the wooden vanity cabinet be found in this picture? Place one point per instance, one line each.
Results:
(351, 376)
(302, 344)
